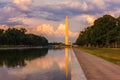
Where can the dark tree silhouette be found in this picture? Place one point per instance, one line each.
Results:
(104, 33)
(13, 36)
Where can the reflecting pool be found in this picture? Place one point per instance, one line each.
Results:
(35, 64)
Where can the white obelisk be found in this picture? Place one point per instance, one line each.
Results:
(66, 32)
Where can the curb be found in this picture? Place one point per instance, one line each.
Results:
(76, 70)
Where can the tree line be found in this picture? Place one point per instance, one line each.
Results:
(13, 36)
(104, 33)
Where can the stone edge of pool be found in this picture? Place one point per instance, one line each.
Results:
(76, 69)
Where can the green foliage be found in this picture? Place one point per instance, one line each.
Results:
(104, 33)
(13, 36)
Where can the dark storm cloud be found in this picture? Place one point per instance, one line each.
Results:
(57, 14)
(3, 4)
(13, 23)
(7, 12)
(54, 12)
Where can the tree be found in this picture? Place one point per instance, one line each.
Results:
(104, 33)
(13, 36)
(1, 35)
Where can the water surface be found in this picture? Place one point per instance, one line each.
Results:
(35, 64)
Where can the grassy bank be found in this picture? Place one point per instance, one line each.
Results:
(109, 54)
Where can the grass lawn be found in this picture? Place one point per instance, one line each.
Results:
(109, 54)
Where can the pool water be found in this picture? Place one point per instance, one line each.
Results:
(35, 64)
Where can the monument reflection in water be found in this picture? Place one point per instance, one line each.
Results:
(35, 64)
(66, 61)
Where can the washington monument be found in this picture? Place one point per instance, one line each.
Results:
(66, 31)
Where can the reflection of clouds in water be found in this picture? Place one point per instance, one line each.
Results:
(4, 75)
(54, 63)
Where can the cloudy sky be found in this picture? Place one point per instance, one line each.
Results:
(47, 17)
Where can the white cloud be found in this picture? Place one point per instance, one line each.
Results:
(43, 13)
(4, 27)
(23, 4)
(91, 19)
(48, 30)
(85, 6)
(86, 18)
(22, 1)
(97, 3)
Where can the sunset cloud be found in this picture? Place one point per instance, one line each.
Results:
(43, 16)
(46, 30)
(23, 4)
(49, 30)
(90, 20)
(22, 1)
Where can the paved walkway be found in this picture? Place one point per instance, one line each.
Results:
(96, 68)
